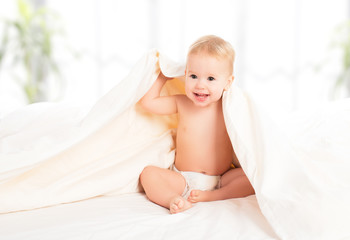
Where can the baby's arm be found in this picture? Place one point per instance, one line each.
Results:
(153, 102)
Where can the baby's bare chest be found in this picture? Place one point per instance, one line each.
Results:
(203, 146)
(204, 131)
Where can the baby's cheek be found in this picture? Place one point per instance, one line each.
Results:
(217, 96)
(188, 89)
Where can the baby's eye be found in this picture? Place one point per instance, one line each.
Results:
(211, 78)
(193, 76)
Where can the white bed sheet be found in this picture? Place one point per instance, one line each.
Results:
(132, 216)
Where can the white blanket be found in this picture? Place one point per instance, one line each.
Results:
(53, 154)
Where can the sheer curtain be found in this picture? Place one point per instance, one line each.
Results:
(278, 43)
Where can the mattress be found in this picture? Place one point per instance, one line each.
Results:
(133, 216)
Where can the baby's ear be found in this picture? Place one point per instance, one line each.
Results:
(229, 82)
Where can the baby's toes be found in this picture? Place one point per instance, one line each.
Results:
(194, 196)
(179, 202)
(173, 208)
(176, 205)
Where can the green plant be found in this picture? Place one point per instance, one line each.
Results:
(342, 43)
(27, 42)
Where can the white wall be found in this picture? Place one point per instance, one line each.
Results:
(278, 43)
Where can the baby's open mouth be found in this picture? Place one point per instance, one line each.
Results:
(201, 95)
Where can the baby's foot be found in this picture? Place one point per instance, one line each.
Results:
(179, 204)
(198, 196)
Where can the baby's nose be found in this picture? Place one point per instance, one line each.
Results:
(200, 84)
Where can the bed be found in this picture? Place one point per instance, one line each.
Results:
(72, 173)
(132, 216)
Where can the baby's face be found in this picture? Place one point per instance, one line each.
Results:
(206, 78)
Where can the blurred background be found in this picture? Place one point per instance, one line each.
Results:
(291, 54)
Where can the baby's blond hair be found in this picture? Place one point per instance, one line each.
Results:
(214, 46)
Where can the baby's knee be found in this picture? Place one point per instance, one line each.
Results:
(147, 172)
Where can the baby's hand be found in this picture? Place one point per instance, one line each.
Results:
(161, 75)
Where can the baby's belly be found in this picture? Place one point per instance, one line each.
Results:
(203, 163)
(203, 151)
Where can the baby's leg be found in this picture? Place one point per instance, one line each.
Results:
(164, 187)
(234, 184)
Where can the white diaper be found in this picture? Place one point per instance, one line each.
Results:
(198, 181)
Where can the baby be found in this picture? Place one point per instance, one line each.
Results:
(204, 154)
